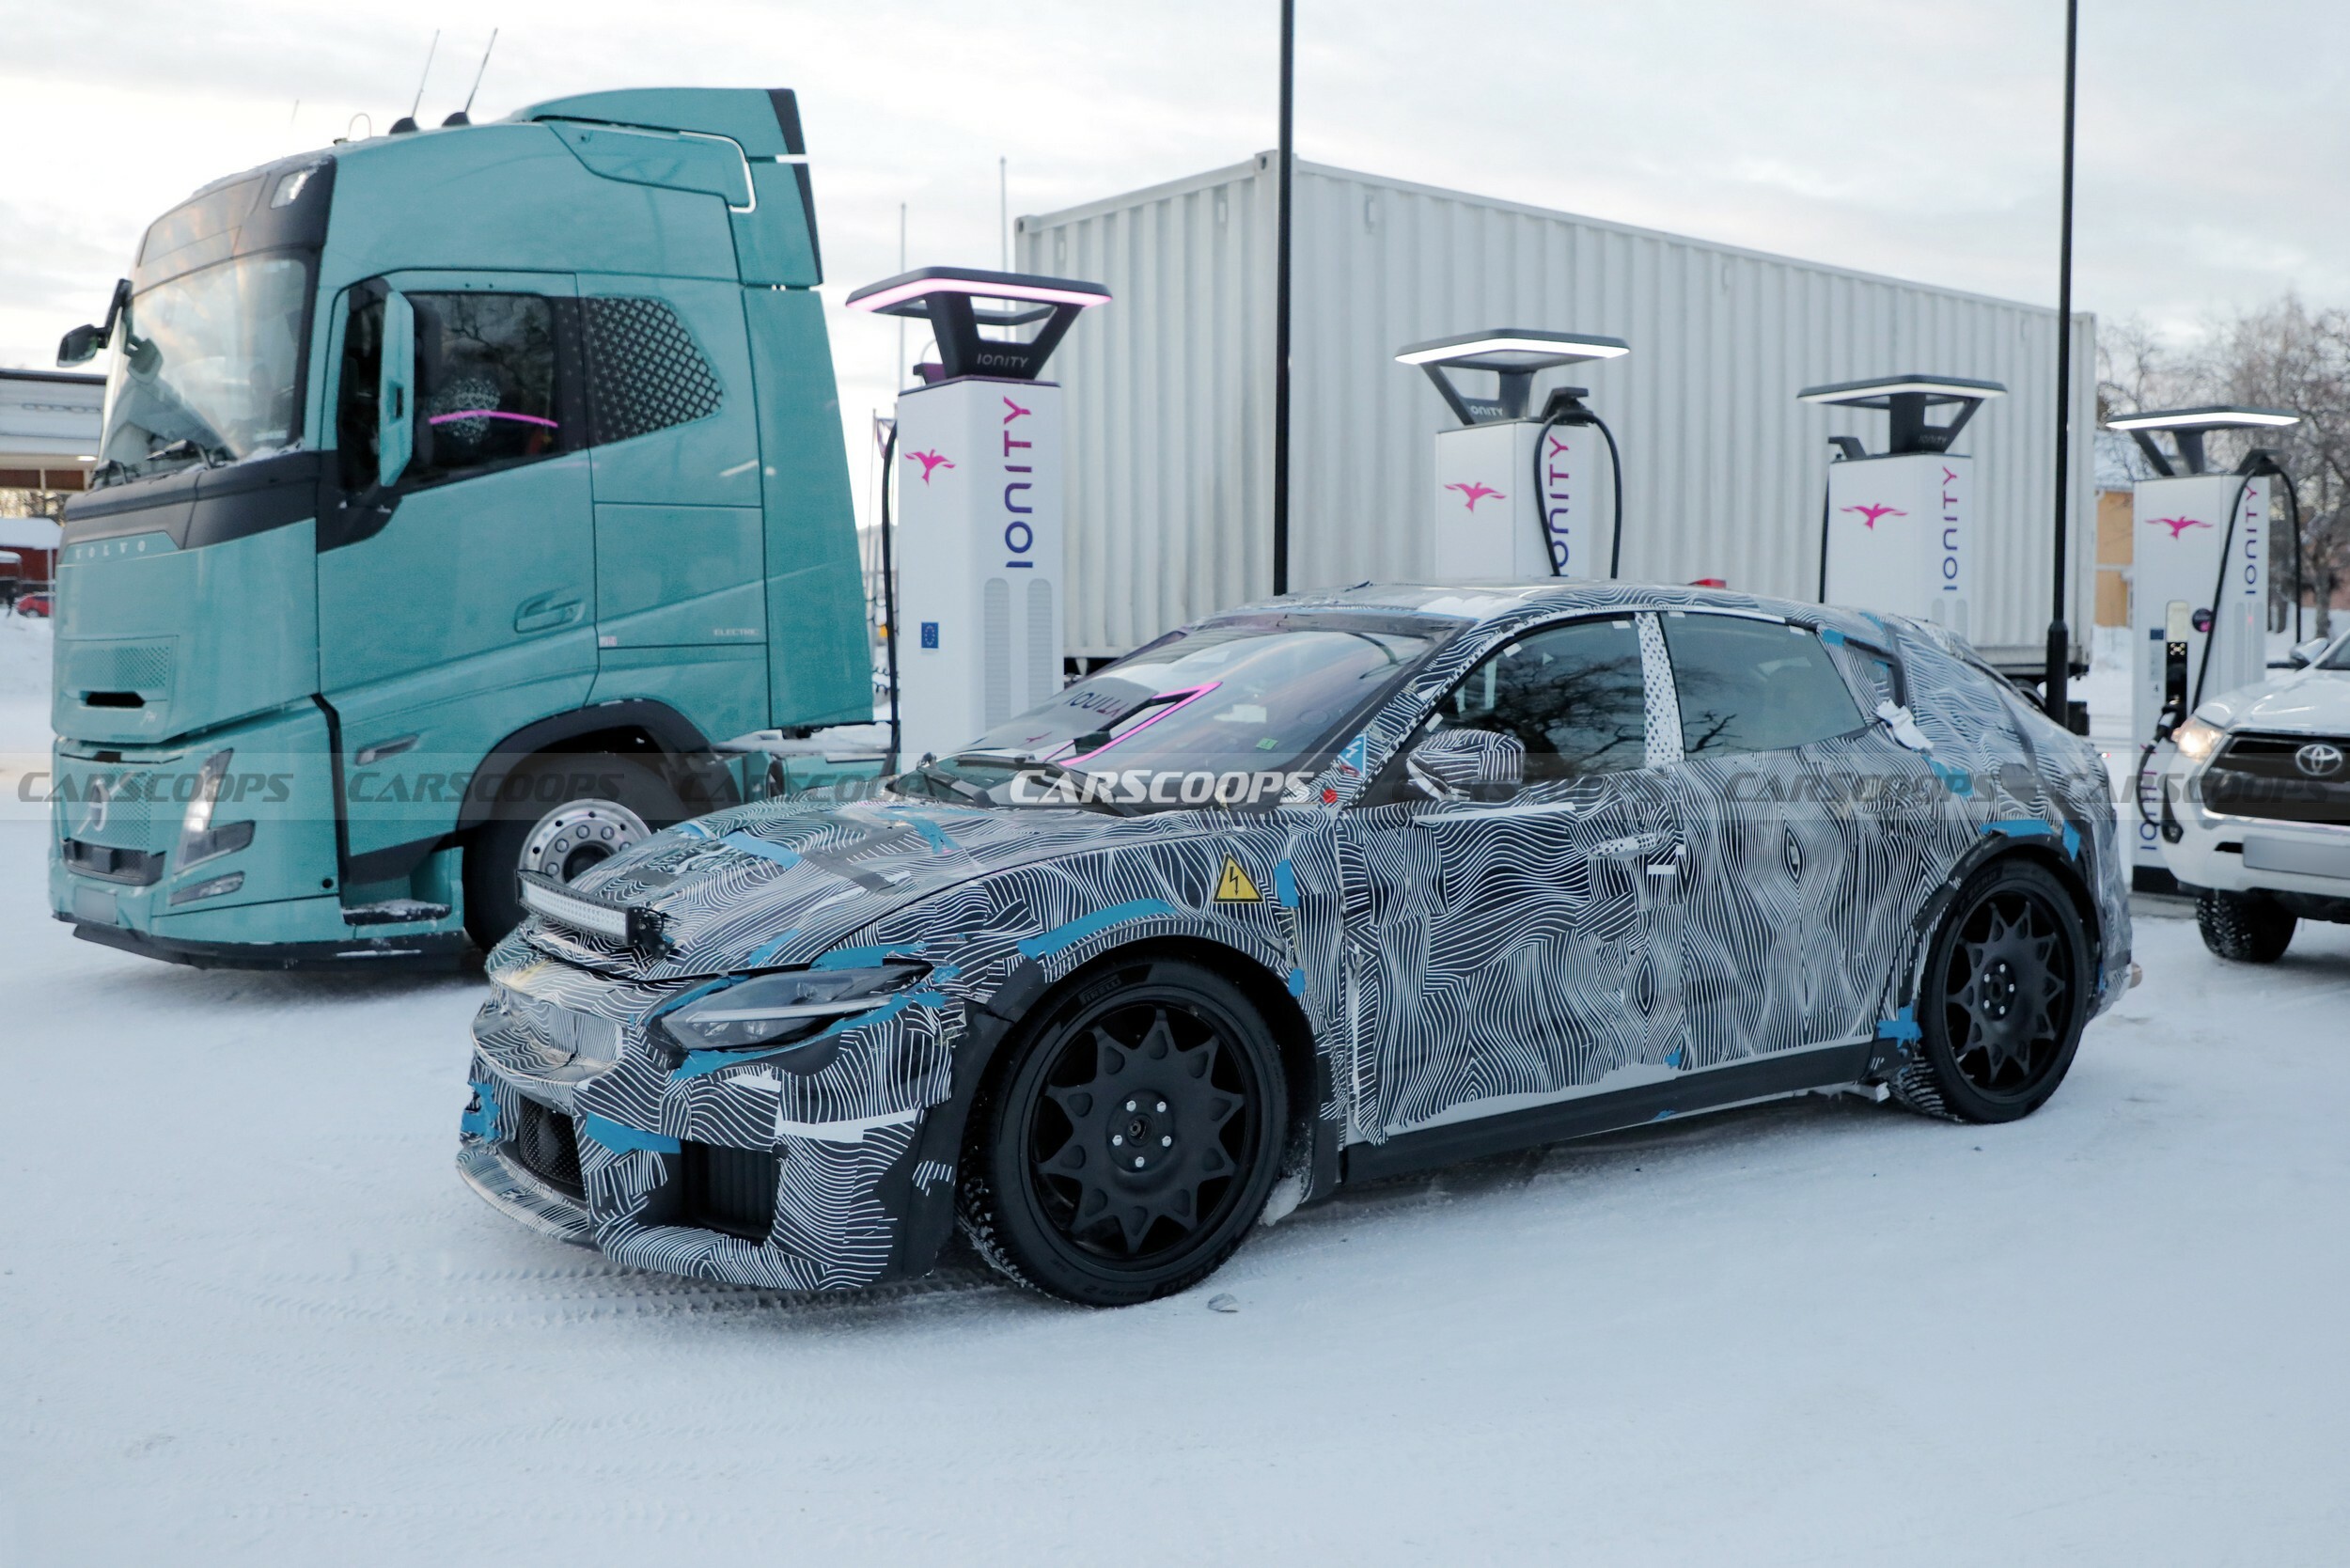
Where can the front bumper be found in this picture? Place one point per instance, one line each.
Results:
(2245, 854)
(746, 1174)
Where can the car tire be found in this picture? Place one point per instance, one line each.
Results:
(1131, 1137)
(559, 814)
(2243, 930)
(2004, 998)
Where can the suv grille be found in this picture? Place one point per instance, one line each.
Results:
(547, 1145)
(2261, 776)
(731, 1190)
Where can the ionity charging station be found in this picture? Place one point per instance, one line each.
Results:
(974, 631)
(1515, 490)
(1896, 532)
(2199, 577)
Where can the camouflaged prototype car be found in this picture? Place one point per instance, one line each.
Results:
(1323, 889)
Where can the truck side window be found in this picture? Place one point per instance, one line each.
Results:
(485, 383)
(356, 433)
(1753, 685)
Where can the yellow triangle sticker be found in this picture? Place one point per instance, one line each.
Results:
(1233, 887)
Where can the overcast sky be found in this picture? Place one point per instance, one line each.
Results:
(1916, 139)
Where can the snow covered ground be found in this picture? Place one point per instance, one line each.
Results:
(248, 1314)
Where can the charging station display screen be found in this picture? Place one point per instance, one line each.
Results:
(1245, 699)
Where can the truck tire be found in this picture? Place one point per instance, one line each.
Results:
(2005, 995)
(559, 814)
(1130, 1140)
(2243, 930)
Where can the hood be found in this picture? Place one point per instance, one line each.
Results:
(2305, 703)
(778, 884)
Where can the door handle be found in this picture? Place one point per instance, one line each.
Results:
(546, 611)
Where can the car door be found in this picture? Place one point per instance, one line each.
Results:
(1521, 947)
(1797, 882)
(456, 569)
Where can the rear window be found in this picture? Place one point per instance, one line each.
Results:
(1754, 686)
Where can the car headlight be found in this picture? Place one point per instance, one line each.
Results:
(771, 1012)
(2197, 740)
(199, 840)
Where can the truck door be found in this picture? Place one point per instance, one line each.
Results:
(456, 572)
(680, 558)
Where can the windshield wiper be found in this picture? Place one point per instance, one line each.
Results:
(931, 774)
(1081, 795)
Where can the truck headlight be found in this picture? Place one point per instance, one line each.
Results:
(2197, 740)
(771, 1012)
(199, 841)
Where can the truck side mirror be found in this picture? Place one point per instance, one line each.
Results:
(395, 401)
(1467, 764)
(2304, 654)
(81, 345)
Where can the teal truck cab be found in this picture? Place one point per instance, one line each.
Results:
(462, 492)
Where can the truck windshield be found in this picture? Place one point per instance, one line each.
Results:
(1222, 711)
(211, 359)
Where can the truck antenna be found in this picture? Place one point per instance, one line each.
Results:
(407, 122)
(464, 115)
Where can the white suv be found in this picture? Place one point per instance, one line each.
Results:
(2256, 805)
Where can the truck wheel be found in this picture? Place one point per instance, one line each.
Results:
(2004, 998)
(558, 815)
(1131, 1139)
(2243, 930)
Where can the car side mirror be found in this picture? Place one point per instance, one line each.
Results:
(81, 345)
(1467, 764)
(2304, 654)
(395, 390)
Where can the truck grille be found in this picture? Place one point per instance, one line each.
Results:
(546, 1145)
(2265, 775)
(732, 1190)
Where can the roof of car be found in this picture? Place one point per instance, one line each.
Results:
(1486, 600)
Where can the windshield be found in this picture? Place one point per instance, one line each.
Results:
(2338, 657)
(212, 358)
(1229, 713)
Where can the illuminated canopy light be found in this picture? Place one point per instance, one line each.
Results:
(1514, 350)
(981, 285)
(2217, 418)
(1871, 393)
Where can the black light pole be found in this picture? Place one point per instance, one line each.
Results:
(1282, 308)
(2056, 685)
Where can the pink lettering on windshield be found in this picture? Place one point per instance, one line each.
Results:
(491, 414)
(1182, 697)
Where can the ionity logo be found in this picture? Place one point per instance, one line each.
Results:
(930, 460)
(1476, 493)
(2179, 526)
(1870, 514)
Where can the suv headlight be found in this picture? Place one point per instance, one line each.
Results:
(769, 1013)
(2197, 740)
(199, 841)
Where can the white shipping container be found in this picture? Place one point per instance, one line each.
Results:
(1170, 395)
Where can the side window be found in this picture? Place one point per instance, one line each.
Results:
(355, 432)
(645, 373)
(1571, 695)
(485, 383)
(1753, 685)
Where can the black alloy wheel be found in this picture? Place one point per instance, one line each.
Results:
(1132, 1138)
(2005, 997)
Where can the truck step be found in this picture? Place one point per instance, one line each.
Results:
(394, 911)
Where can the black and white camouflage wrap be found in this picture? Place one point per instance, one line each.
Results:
(1449, 960)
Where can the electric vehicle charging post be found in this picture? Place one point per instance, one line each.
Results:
(2198, 590)
(1896, 531)
(1515, 487)
(979, 591)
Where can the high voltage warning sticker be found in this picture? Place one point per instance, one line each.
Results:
(1233, 887)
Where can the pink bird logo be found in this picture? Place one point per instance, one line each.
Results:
(930, 460)
(2179, 526)
(1476, 493)
(1017, 412)
(1869, 515)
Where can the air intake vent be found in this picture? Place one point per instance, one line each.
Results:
(730, 1190)
(117, 674)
